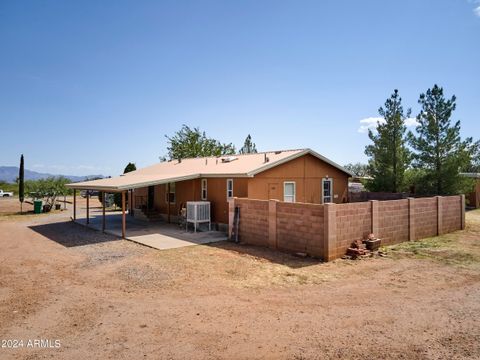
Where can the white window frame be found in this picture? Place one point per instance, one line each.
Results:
(294, 191)
(204, 193)
(324, 180)
(229, 191)
(167, 194)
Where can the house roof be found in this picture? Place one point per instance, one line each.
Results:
(471, 175)
(247, 165)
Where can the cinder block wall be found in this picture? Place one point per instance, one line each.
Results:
(300, 228)
(393, 221)
(353, 222)
(254, 221)
(425, 217)
(450, 219)
(327, 231)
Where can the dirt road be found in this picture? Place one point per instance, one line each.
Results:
(104, 298)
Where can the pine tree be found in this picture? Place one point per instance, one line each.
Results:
(439, 150)
(389, 155)
(248, 146)
(117, 197)
(21, 184)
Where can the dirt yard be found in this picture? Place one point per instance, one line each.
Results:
(104, 298)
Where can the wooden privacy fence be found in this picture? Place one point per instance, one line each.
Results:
(326, 231)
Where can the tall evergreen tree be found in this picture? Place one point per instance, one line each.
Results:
(249, 147)
(130, 167)
(117, 197)
(21, 183)
(439, 150)
(389, 155)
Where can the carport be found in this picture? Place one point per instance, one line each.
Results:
(159, 235)
(124, 185)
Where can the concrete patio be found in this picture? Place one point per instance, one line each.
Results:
(158, 235)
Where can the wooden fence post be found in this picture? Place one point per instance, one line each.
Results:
(272, 224)
(411, 219)
(462, 212)
(330, 231)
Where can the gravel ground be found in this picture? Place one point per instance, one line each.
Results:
(105, 298)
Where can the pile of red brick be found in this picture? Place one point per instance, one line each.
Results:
(357, 249)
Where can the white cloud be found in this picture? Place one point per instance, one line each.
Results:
(411, 122)
(476, 4)
(369, 123)
(372, 122)
(476, 11)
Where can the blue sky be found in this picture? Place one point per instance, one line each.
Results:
(87, 86)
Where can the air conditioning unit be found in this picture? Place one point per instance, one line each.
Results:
(198, 212)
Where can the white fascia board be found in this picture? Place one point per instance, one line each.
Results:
(136, 185)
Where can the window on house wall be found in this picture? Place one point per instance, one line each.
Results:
(229, 188)
(327, 190)
(204, 189)
(289, 191)
(170, 196)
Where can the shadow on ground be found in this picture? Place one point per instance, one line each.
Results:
(69, 234)
(274, 256)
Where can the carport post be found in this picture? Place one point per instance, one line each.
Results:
(168, 202)
(88, 207)
(74, 204)
(130, 203)
(103, 211)
(123, 215)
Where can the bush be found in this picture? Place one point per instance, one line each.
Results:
(47, 189)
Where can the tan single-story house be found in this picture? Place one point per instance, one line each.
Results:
(289, 175)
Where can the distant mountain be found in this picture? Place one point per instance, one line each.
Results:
(10, 173)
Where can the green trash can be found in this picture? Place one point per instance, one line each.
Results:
(37, 206)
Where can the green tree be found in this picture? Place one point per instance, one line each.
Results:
(48, 189)
(389, 155)
(358, 169)
(117, 197)
(191, 143)
(474, 165)
(249, 147)
(438, 149)
(21, 183)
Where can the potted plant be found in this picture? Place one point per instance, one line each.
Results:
(372, 242)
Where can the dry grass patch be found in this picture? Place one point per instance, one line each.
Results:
(461, 248)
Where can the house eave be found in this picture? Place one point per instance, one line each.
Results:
(297, 155)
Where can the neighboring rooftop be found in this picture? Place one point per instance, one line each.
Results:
(471, 175)
(246, 165)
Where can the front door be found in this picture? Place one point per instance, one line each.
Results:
(327, 190)
(151, 197)
(273, 191)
